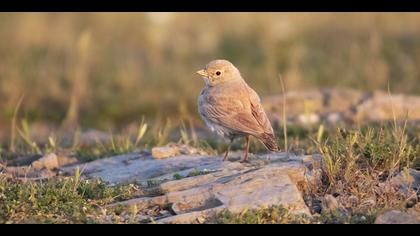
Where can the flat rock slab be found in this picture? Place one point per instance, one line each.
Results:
(142, 167)
(269, 179)
(398, 217)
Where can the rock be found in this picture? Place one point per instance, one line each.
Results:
(142, 219)
(197, 217)
(52, 161)
(23, 160)
(164, 152)
(405, 180)
(334, 118)
(18, 170)
(329, 203)
(333, 106)
(268, 180)
(415, 209)
(398, 217)
(312, 161)
(172, 150)
(337, 102)
(262, 190)
(142, 167)
(380, 106)
(308, 119)
(26, 173)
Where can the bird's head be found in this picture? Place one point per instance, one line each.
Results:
(219, 71)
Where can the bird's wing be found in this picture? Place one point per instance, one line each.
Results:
(258, 111)
(236, 109)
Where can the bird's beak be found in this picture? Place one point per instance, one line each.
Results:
(203, 73)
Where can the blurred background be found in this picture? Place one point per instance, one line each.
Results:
(107, 70)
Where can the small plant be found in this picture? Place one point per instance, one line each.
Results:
(197, 172)
(268, 215)
(359, 163)
(25, 135)
(153, 183)
(178, 176)
(162, 133)
(62, 200)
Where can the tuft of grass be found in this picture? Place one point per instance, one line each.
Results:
(153, 183)
(357, 164)
(281, 215)
(115, 146)
(197, 172)
(337, 217)
(268, 215)
(26, 137)
(177, 176)
(383, 150)
(13, 126)
(62, 200)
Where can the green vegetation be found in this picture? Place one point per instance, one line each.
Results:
(64, 74)
(280, 215)
(269, 215)
(61, 200)
(356, 163)
(106, 70)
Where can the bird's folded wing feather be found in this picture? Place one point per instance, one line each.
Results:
(258, 112)
(242, 112)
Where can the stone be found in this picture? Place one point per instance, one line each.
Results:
(398, 217)
(405, 180)
(197, 217)
(173, 149)
(334, 106)
(26, 173)
(308, 119)
(51, 161)
(25, 160)
(18, 170)
(233, 186)
(141, 167)
(164, 152)
(329, 203)
(312, 161)
(269, 179)
(261, 190)
(381, 106)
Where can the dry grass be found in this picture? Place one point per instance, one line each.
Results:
(104, 70)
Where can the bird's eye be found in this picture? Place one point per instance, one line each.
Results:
(218, 73)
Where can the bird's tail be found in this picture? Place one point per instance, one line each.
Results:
(269, 140)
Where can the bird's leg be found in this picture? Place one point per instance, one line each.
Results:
(228, 149)
(245, 159)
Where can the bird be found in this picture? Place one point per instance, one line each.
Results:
(232, 109)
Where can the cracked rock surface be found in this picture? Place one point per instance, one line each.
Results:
(194, 187)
